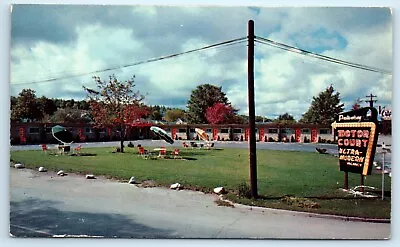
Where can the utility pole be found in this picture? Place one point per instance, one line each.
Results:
(252, 125)
(371, 101)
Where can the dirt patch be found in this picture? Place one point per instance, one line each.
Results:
(222, 203)
(147, 184)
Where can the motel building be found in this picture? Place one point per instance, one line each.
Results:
(265, 132)
(37, 133)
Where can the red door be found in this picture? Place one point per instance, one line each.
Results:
(215, 134)
(82, 137)
(173, 133)
(22, 137)
(109, 132)
(297, 134)
(314, 135)
(246, 134)
(261, 136)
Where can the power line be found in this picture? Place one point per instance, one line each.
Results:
(318, 56)
(221, 44)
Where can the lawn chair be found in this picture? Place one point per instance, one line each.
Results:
(163, 151)
(78, 148)
(209, 145)
(175, 153)
(45, 148)
(143, 152)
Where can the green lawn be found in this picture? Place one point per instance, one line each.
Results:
(280, 173)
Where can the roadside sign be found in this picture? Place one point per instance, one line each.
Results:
(357, 136)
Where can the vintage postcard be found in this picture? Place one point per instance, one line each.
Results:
(202, 122)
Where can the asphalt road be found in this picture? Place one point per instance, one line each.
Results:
(46, 205)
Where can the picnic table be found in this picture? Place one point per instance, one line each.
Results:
(64, 148)
(162, 151)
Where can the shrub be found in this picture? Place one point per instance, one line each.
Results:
(292, 139)
(244, 190)
(130, 144)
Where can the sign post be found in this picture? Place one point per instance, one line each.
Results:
(383, 175)
(357, 133)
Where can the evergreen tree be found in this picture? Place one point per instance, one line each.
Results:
(324, 108)
(203, 97)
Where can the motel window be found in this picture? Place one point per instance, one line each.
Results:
(88, 130)
(33, 130)
(238, 131)
(273, 131)
(224, 131)
(181, 130)
(324, 131)
(192, 131)
(287, 131)
(208, 130)
(305, 131)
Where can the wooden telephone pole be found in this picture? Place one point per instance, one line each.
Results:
(252, 134)
(371, 101)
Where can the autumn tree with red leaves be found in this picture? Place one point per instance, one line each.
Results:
(220, 113)
(357, 104)
(115, 103)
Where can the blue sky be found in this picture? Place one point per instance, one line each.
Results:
(55, 41)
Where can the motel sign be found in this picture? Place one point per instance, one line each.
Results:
(357, 135)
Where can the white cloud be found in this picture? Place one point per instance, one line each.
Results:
(284, 82)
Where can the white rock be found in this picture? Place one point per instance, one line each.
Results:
(42, 169)
(219, 190)
(176, 186)
(132, 180)
(60, 173)
(19, 166)
(90, 176)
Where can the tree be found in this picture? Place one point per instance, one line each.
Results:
(173, 114)
(70, 115)
(46, 106)
(219, 113)
(324, 108)
(26, 106)
(262, 119)
(357, 104)
(285, 118)
(116, 104)
(156, 112)
(203, 97)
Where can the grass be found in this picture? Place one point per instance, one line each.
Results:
(306, 178)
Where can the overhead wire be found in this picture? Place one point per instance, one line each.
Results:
(217, 45)
(258, 39)
(318, 56)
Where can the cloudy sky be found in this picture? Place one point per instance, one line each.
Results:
(61, 41)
